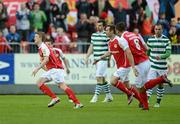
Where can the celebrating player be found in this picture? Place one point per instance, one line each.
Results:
(54, 71)
(121, 76)
(137, 47)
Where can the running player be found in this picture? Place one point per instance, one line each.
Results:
(54, 71)
(121, 76)
(141, 60)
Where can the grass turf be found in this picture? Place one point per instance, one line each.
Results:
(32, 109)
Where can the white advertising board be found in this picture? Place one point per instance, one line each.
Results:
(80, 73)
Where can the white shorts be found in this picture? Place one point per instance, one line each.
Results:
(57, 75)
(143, 69)
(123, 74)
(156, 73)
(101, 68)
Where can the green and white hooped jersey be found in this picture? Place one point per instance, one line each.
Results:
(99, 40)
(158, 47)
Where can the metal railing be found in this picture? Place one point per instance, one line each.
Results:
(73, 47)
(29, 47)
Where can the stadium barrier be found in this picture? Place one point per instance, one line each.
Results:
(16, 69)
(30, 47)
(72, 47)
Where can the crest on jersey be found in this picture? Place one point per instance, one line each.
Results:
(115, 45)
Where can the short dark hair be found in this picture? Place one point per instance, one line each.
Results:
(121, 26)
(42, 35)
(102, 21)
(178, 19)
(159, 24)
(49, 40)
(111, 28)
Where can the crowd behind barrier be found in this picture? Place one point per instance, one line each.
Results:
(52, 19)
(26, 47)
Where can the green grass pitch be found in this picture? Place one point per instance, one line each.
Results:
(32, 109)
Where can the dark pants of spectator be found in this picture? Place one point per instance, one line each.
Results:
(24, 34)
(175, 49)
(60, 24)
(15, 48)
(82, 45)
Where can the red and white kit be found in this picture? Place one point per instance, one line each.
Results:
(54, 66)
(135, 43)
(121, 60)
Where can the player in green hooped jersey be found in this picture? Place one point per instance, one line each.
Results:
(99, 46)
(159, 49)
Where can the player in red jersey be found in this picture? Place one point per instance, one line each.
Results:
(60, 56)
(121, 76)
(54, 71)
(137, 48)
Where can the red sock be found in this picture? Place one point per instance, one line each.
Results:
(145, 100)
(137, 95)
(71, 95)
(47, 91)
(152, 83)
(122, 87)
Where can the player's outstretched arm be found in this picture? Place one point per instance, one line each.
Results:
(43, 63)
(89, 52)
(66, 63)
(102, 57)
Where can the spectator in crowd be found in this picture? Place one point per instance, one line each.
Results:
(95, 8)
(23, 22)
(62, 41)
(32, 34)
(167, 7)
(30, 4)
(147, 24)
(38, 18)
(3, 18)
(178, 23)
(137, 4)
(137, 8)
(92, 25)
(32, 48)
(58, 15)
(162, 20)
(4, 46)
(178, 28)
(82, 28)
(119, 13)
(53, 32)
(13, 37)
(63, 10)
(173, 35)
(84, 7)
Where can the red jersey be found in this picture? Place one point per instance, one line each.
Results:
(136, 46)
(53, 61)
(59, 54)
(118, 53)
